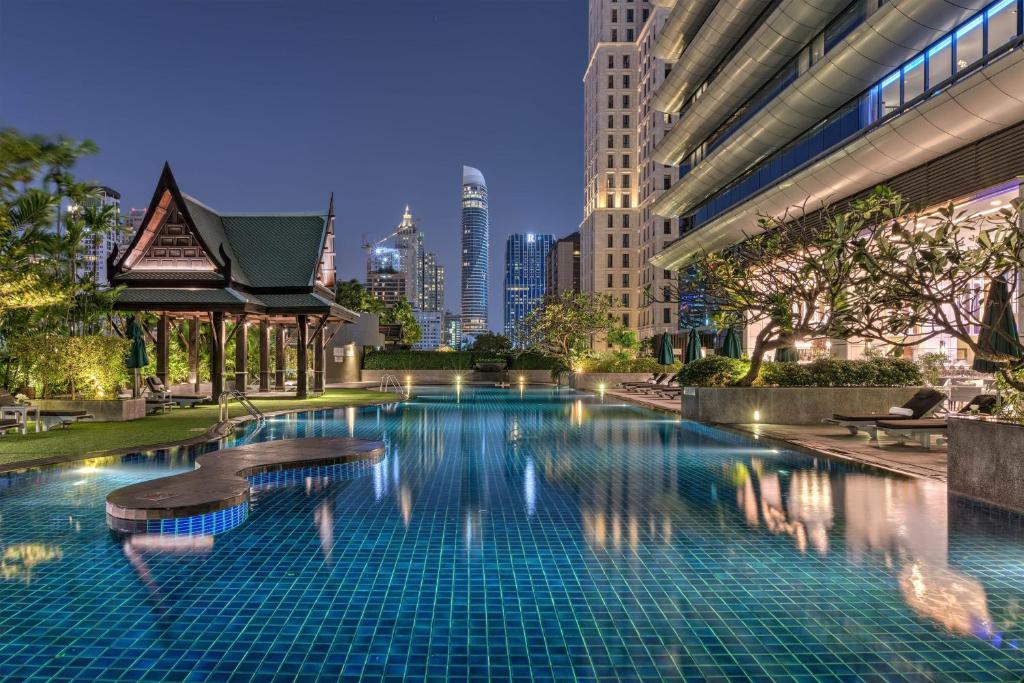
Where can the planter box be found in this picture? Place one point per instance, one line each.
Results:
(986, 461)
(468, 375)
(102, 411)
(786, 405)
(592, 381)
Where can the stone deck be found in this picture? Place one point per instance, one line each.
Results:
(219, 480)
(828, 440)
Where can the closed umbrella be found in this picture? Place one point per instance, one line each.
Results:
(692, 346)
(731, 344)
(787, 354)
(137, 357)
(665, 355)
(999, 329)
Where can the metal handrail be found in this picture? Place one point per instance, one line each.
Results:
(387, 381)
(243, 400)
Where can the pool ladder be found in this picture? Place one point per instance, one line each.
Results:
(387, 382)
(250, 407)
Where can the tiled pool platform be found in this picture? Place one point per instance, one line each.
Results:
(532, 534)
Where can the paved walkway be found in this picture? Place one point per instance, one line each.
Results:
(830, 441)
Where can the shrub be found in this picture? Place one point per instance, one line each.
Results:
(451, 360)
(712, 371)
(89, 367)
(719, 371)
(618, 362)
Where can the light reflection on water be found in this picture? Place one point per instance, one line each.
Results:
(561, 500)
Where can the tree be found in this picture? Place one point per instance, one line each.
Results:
(792, 281)
(563, 326)
(492, 344)
(356, 297)
(624, 340)
(401, 314)
(928, 275)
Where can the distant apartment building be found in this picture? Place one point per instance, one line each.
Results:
(432, 326)
(525, 256)
(423, 278)
(562, 266)
(96, 252)
(777, 116)
(475, 238)
(384, 276)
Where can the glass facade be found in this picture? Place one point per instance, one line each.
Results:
(525, 276)
(964, 48)
(475, 236)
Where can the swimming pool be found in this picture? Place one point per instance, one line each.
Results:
(534, 534)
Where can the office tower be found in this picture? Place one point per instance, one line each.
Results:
(431, 282)
(525, 257)
(562, 266)
(452, 334)
(777, 117)
(608, 232)
(409, 243)
(384, 276)
(475, 236)
(432, 326)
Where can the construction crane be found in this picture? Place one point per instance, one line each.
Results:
(406, 222)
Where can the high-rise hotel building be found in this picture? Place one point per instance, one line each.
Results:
(618, 231)
(784, 106)
(525, 279)
(475, 236)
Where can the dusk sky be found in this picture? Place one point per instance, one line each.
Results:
(269, 105)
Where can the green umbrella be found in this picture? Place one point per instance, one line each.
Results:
(731, 344)
(665, 355)
(999, 329)
(787, 354)
(137, 357)
(692, 346)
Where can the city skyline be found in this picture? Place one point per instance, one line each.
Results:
(360, 139)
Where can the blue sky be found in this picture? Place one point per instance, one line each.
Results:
(269, 105)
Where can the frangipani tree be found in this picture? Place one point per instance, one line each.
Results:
(564, 326)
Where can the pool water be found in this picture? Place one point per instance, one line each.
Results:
(528, 534)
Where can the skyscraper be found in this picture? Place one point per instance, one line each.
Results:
(562, 266)
(409, 243)
(97, 251)
(525, 257)
(619, 232)
(475, 236)
(384, 276)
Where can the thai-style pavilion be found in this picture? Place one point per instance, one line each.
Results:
(194, 267)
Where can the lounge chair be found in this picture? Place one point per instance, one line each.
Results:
(653, 379)
(185, 399)
(922, 431)
(919, 406)
(45, 419)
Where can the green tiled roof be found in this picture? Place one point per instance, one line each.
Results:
(276, 251)
(161, 275)
(168, 295)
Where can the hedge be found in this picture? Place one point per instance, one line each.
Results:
(450, 360)
(719, 371)
(616, 364)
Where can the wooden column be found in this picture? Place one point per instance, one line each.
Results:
(241, 355)
(217, 335)
(163, 346)
(193, 352)
(302, 341)
(264, 355)
(318, 360)
(280, 358)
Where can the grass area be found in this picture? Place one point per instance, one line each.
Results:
(179, 424)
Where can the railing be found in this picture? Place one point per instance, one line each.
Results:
(243, 400)
(389, 381)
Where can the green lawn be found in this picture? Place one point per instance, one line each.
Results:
(181, 423)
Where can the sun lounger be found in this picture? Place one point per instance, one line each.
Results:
(10, 423)
(45, 419)
(922, 430)
(918, 406)
(185, 399)
(654, 379)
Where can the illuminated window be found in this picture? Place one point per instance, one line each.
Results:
(890, 90)
(940, 62)
(970, 43)
(1002, 23)
(913, 79)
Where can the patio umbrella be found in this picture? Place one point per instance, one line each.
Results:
(137, 357)
(665, 355)
(692, 346)
(731, 344)
(787, 354)
(999, 329)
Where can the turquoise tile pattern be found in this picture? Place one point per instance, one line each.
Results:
(508, 534)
